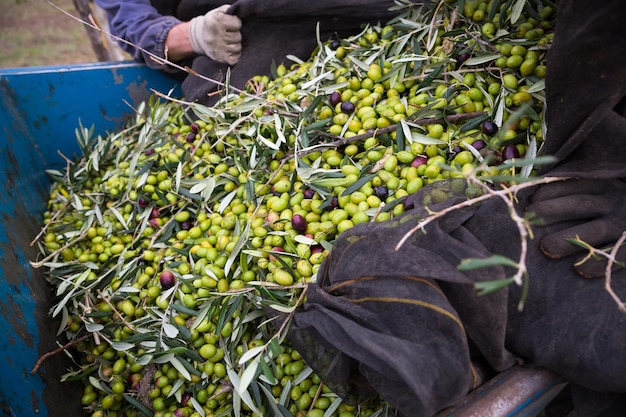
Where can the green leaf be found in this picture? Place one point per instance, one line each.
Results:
(521, 162)
(400, 138)
(197, 406)
(333, 407)
(488, 287)
(250, 373)
(425, 140)
(176, 388)
(170, 330)
(268, 374)
(494, 260)
(241, 241)
(180, 368)
(516, 11)
(481, 59)
(138, 405)
(473, 123)
(251, 353)
(244, 394)
(227, 313)
(122, 346)
(358, 184)
(225, 202)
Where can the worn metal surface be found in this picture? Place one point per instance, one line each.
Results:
(517, 392)
(40, 109)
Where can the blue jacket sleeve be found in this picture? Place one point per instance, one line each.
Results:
(141, 25)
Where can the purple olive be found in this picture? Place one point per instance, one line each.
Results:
(381, 192)
(317, 249)
(167, 279)
(461, 59)
(509, 152)
(148, 151)
(190, 137)
(419, 160)
(335, 98)
(334, 44)
(299, 223)
(154, 213)
(309, 193)
(479, 144)
(194, 127)
(408, 203)
(142, 202)
(347, 107)
(489, 128)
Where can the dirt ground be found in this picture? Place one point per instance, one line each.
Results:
(35, 33)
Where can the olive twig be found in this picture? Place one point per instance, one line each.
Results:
(608, 271)
(55, 351)
(508, 198)
(472, 201)
(45, 227)
(611, 261)
(318, 392)
(61, 249)
(117, 313)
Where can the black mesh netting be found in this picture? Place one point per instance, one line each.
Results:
(386, 320)
(406, 323)
(398, 322)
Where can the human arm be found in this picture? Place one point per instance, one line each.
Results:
(149, 34)
(143, 29)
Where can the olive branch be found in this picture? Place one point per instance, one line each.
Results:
(508, 194)
(611, 256)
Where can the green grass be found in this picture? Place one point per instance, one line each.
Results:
(34, 33)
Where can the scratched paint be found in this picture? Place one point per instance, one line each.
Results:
(40, 108)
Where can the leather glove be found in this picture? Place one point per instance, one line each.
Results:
(598, 209)
(217, 35)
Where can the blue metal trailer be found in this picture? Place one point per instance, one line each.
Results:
(40, 108)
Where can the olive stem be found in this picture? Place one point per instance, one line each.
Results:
(317, 395)
(507, 194)
(61, 249)
(45, 228)
(608, 271)
(117, 313)
(472, 201)
(55, 351)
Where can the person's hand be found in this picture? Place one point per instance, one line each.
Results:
(599, 205)
(216, 34)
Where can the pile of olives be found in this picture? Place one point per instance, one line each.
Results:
(168, 242)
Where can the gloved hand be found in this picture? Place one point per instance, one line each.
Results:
(599, 205)
(216, 35)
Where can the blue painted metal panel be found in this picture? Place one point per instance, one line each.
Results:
(40, 108)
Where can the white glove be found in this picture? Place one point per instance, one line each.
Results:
(216, 34)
